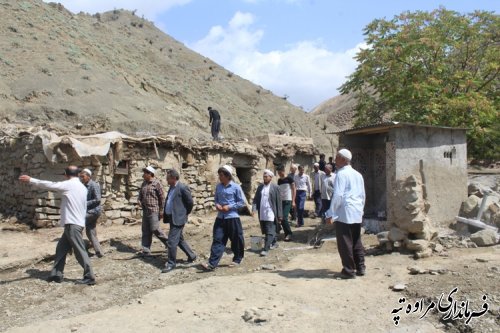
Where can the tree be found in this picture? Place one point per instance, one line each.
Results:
(434, 68)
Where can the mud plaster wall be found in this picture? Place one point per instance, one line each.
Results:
(439, 157)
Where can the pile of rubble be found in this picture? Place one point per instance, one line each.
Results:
(480, 195)
(412, 231)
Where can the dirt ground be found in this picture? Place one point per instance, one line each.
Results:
(294, 289)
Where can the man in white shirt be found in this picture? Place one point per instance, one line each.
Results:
(267, 202)
(303, 191)
(73, 211)
(346, 210)
(326, 190)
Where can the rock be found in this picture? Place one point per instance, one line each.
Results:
(484, 237)
(417, 245)
(74, 329)
(414, 270)
(481, 260)
(180, 311)
(470, 207)
(399, 287)
(255, 315)
(423, 254)
(474, 188)
(437, 247)
(396, 234)
(240, 299)
(383, 237)
(268, 267)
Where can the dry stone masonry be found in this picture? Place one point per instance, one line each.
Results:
(119, 169)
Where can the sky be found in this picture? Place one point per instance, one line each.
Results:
(302, 49)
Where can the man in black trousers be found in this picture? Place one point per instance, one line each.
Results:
(215, 122)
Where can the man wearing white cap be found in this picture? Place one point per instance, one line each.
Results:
(346, 210)
(267, 202)
(317, 184)
(228, 200)
(151, 198)
(93, 209)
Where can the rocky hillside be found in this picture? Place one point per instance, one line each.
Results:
(336, 112)
(116, 71)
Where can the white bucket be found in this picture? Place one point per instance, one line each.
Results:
(256, 243)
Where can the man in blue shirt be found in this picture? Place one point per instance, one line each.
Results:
(228, 200)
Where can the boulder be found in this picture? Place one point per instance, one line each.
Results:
(417, 245)
(474, 188)
(484, 237)
(383, 237)
(470, 207)
(396, 234)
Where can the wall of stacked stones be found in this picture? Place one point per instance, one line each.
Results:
(120, 176)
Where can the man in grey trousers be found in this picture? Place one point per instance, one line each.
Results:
(73, 211)
(178, 205)
(151, 200)
(267, 202)
(93, 210)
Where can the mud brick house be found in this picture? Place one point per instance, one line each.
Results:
(418, 169)
(117, 160)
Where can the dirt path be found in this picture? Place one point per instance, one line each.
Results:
(298, 293)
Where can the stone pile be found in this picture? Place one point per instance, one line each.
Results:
(412, 228)
(478, 192)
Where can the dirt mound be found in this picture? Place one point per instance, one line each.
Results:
(117, 71)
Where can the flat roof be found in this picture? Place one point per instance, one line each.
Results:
(386, 126)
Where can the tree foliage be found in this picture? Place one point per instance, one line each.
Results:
(434, 68)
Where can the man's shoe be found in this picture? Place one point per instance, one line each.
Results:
(193, 259)
(55, 278)
(234, 264)
(361, 272)
(274, 246)
(87, 281)
(99, 255)
(168, 269)
(288, 238)
(345, 276)
(207, 267)
(263, 253)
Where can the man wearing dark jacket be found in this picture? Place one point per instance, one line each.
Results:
(267, 202)
(214, 122)
(178, 206)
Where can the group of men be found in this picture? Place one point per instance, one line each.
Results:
(341, 197)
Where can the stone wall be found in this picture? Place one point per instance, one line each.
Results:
(120, 174)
